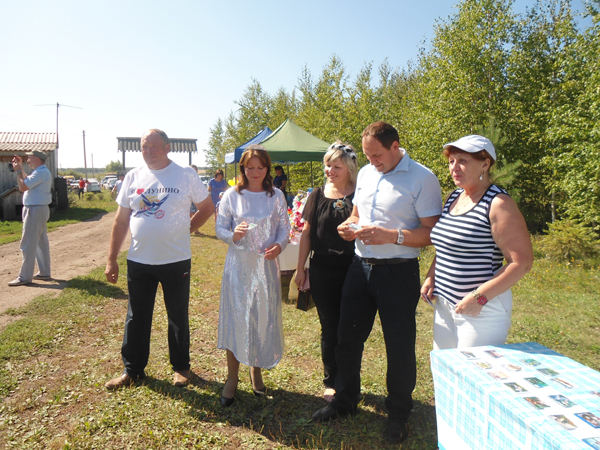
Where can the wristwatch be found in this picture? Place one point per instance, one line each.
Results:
(400, 238)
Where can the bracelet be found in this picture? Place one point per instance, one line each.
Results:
(481, 299)
(18, 171)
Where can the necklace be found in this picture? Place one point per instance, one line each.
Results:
(469, 205)
(458, 209)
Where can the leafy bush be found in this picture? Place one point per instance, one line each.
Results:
(569, 240)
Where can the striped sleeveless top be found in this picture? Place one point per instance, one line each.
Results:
(466, 254)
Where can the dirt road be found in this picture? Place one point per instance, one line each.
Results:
(75, 250)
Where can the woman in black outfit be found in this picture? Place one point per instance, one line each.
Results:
(325, 209)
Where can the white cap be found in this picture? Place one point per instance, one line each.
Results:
(473, 144)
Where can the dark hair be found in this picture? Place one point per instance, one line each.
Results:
(383, 132)
(161, 133)
(279, 168)
(479, 156)
(219, 172)
(263, 156)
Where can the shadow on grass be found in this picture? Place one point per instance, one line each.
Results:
(96, 287)
(81, 214)
(204, 236)
(283, 417)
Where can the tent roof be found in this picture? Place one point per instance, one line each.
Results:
(235, 155)
(291, 143)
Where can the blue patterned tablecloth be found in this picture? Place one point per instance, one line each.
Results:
(515, 396)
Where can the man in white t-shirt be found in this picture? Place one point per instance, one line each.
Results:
(117, 187)
(154, 203)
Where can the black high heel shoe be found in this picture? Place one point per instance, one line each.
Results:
(227, 402)
(258, 392)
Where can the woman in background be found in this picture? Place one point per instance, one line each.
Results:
(253, 220)
(217, 185)
(480, 226)
(325, 209)
(280, 180)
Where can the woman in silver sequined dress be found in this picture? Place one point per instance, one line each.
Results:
(253, 220)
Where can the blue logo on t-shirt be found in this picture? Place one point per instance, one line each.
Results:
(151, 207)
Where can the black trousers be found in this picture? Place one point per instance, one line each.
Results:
(142, 282)
(393, 290)
(327, 275)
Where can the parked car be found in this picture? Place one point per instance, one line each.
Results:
(94, 186)
(106, 180)
(111, 183)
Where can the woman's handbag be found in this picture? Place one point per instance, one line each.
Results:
(305, 301)
(302, 295)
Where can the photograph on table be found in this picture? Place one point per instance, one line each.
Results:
(562, 400)
(494, 353)
(512, 367)
(469, 355)
(516, 387)
(536, 382)
(549, 372)
(498, 375)
(563, 383)
(483, 365)
(563, 421)
(593, 442)
(589, 418)
(530, 362)
(536, 402)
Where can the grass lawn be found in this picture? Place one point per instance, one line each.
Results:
(88, 206)
(55, 360)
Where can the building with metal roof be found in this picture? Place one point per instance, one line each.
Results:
(13, 143)
(178, 145)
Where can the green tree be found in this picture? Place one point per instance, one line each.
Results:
(538, 85)
(114, 166)
(215, 154)
(575, 126)
(460, 82)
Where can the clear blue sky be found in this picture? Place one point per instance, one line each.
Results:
(180, 65)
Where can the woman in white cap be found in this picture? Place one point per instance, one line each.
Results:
(480, 226)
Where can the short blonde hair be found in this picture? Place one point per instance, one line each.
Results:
(345, 152)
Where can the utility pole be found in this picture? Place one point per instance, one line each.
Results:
(84, 158)
(57, 106)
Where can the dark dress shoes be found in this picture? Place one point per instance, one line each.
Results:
(227, 402)
(260, 392)
(328, 413)
(396, 431)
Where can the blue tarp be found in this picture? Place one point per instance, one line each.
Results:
(235, 155)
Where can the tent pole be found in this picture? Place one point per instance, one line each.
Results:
(312, 177)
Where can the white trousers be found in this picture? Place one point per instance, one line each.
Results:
(34, 241)
(490, 327)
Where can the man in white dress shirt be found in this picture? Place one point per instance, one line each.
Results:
(396, 204)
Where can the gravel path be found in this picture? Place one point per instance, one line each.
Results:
(75, 250)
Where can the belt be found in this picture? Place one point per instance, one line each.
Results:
(385, 262)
